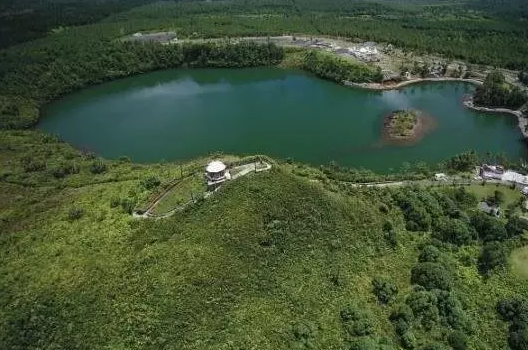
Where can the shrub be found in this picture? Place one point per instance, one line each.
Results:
(98, 167)
(383, 208)
(451, 311)
(453, 231)
(429, 253)
(75, 213)
(128, 204)
(492, 256)
(64, 169)
(434, 346)
(488, 228)
(150, 182)
(33, 165)
(431, 276)
(518, 339)
(423, 305)
(403, 312)
(383, 290)
(408, 340)
(457, 340)
(392, 238)
(513, 310)
(387, 226)
(356, 322)
(516, 226)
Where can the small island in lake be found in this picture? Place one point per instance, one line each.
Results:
(406, 126)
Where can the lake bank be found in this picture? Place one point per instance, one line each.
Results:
(184, 113)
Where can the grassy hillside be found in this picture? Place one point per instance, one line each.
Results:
(270, 261)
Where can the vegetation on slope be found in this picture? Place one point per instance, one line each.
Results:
(496, 93)
(271, 261)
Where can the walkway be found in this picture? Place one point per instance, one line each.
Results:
(239, 171)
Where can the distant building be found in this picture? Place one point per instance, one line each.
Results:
(489, 209)
(216, 173)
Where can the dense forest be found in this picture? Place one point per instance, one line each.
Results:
(480, 31)
(47, 73)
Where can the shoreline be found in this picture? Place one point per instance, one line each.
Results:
(521, 120)
(387, 87)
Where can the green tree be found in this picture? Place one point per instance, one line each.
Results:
(431, 275)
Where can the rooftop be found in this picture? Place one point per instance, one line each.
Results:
(215, 166)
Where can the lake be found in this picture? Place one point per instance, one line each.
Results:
(178, 115)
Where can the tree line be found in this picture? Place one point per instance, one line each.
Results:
(496, 93)
(37, 75)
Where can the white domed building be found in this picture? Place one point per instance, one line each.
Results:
(215, 173)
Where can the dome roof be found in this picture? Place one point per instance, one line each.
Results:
(215, 167)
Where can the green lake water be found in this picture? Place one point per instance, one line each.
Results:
(182, 114)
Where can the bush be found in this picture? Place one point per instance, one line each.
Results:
(451, 311)
(435, 346)
(488, 228)
(128, 204)
(453, 231)
(513, 310)
(387, 226)
(518, 339)
(492, 256)
(423, 305)
(408, 340)
(98, 167)
(356, 322)
(75, 213)
(429, 253)
(404, 313)
(431, 276)
(150, 182)
(33, 165)
(457, 340)
(392, 238)
(383, 290)
(65, 169)
(516, 226)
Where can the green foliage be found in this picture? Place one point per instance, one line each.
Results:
(457, 340)
(150, 182)
(515, 311)
(98, 167)
(523, 78)
(488, 228)
(75, 213)
(495, 93)
(384, 290)
(431, 275)
(64, 169)
(516, 226)
(435, 346)
(429, 253)
(338, 69)
(462, 162)
(492, 256)
(454, 231)
(425, 310)
(356, 322)
(518, 339)
(497, 199)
